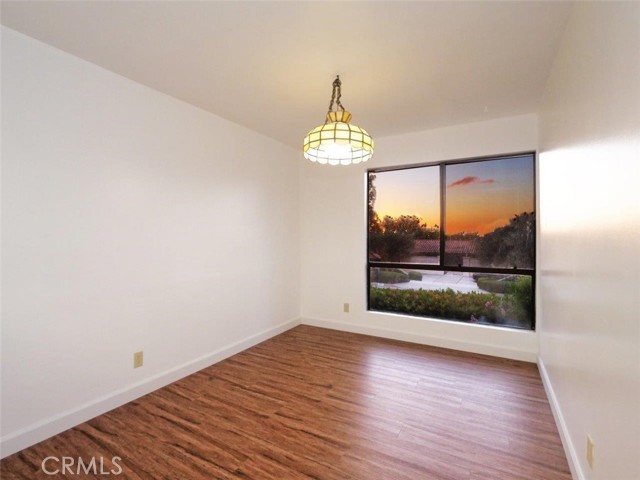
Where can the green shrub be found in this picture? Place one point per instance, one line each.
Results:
(494, 285)
(394, 275)
(514, 308)
(436, 303)
(415, 275)
(391, 246)
(520, 300)
(389, 275)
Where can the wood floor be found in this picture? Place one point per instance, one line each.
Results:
(321, 404)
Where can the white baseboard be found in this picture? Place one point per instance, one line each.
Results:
(569, 447)
(465, 346)
(33, 434)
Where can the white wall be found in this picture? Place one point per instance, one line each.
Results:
(590, 253)
(333, 237)
(130, 221)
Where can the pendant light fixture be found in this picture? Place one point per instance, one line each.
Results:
(337, 142)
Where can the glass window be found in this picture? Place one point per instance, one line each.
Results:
(490, 220)
(487, 210)
(490, 299)
(404, 216)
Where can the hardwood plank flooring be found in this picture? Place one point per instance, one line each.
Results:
(320, 404)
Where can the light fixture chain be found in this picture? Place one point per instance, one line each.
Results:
(336, 94)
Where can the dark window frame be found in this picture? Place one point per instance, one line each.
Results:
(448, 268)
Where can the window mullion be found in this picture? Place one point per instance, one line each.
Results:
(443, 187)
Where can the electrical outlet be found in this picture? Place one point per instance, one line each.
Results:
(590, 447)
(345, 308)
(137, 359)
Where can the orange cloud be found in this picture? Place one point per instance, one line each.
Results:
(468, 180)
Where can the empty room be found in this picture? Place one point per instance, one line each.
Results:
(332, 240)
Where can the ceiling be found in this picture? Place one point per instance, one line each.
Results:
(269, 65)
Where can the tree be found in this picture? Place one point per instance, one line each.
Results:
(432, 233)
(392, 239)
(512, 245)
(391, 246)
(464, 236)
(404, 224)
(374, 220)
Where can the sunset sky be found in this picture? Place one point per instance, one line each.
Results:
(481, 196)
